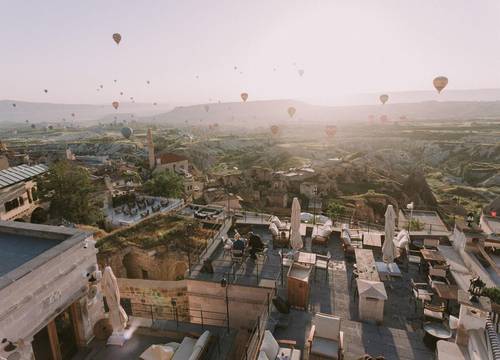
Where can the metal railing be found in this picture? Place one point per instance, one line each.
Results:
(178, 314)
(253, 343)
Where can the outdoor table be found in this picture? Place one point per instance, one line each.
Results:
(372, 239)
(435, 331)
(365, 262)
(391, 269)
(432, 255)
(306, 258)
(446, 292)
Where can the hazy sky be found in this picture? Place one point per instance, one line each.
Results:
(343, 46)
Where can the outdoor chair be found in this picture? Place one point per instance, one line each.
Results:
(437, 276)
(286, 260)
(434, 312)
(237, 256)
(420, 293)
(325, 340)
(322, 263)
(272, 349)
(431, 243)
(414, 257)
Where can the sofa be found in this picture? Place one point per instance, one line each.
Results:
(271, 348)
(191, 348)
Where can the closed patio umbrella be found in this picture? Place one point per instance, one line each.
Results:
(388, 249)
(295, 237)
(117, 316)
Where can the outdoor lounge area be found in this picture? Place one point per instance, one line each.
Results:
(399, 309)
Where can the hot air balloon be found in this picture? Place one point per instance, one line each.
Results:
(301, 72)
(121, 93)
(101, 86)
(291, 111)
(331, 130)
(127, 132)
(115, 81)
(115, 104)
(27, 121)
(235, 68)
(244, 96)
(117, 38)
(383, 98)
(45, 91)
(33, 126)
(206, 108)
(440, 83)
(73, 114)
(155, 104)
(147, 82)
(275, 129)
(14, 105)
(131, 98)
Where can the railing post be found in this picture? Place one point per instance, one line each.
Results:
(152, 314)
(201, 316)
(258, 326)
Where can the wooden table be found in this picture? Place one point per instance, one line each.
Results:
(446, 292)
(306, 258)
(432, 255)
(365, 262)
(372, 239)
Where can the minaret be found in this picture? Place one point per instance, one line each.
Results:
(151, 150)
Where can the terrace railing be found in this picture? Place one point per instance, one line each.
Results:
(253, 344)
(180, 315)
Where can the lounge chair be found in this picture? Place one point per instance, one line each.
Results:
(272, 349)
(325, 340)
(191, 348)
(420, 292)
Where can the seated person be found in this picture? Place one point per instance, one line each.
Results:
(255, 243)
(239, 245)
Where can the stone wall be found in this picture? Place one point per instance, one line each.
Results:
(156, 264)
(152, 298)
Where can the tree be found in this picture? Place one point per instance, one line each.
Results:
(166, 184)
(69, 189)
(335, 210)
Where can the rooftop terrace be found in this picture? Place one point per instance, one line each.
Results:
(399, 337)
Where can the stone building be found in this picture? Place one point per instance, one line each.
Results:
(50, 295)
(18, 191)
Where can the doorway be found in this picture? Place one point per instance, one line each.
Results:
(57, 340)
(41, 345)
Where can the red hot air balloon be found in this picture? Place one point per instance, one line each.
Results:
(330, 130)
(115, 104)
(244, 96)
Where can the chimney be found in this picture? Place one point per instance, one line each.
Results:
(151, 150)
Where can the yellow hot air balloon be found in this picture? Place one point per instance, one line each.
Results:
(117, 38)
(383, 98)
(115, 104)
(244, 96)
(440, 83)
(291, 111)
(275, 129)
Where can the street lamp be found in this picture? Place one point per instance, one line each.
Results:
(224, 284)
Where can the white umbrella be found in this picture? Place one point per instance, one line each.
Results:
(388, 249)
(295, 238)
(117, 316)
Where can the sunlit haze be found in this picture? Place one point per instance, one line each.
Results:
(344, 47)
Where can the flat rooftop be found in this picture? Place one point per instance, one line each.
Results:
(25, 247)
(19, 249)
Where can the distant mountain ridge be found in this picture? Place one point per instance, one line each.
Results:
(252, 113)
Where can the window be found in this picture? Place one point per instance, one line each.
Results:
(145, 274)
(21, 201)
(11, 205)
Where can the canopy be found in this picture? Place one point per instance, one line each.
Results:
(388, 249)
(295, 237)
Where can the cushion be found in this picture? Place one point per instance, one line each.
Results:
(324, 347)
(262, 356)
(269, 345)
(173, 345)
(185, 349)
(327, 326)
(196, 354)
(203, 339)
(291, 354)
(274, 229)
(158, 352)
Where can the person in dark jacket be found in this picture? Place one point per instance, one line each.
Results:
(255, 243)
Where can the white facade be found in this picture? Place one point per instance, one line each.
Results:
(36, 292)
